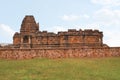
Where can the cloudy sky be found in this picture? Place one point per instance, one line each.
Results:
(61, 15)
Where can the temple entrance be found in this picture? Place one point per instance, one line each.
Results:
(25, 39)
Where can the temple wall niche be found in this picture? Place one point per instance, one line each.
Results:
(75, 39)
(53, 40)
(39, 39)
(44, 40)
(91, 39)
(63, 39)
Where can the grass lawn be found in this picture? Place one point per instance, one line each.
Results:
(61, 69)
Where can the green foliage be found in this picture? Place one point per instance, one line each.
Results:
(61, 69)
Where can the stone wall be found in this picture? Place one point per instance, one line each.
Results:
(59, 53)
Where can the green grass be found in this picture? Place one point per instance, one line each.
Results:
(61, 69)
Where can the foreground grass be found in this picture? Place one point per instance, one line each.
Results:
(61, 69)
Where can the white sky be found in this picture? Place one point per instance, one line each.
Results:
(58, 15)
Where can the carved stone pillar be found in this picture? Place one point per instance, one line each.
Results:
(21, 40)
(29, 40)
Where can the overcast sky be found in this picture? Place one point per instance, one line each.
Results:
(61, 15)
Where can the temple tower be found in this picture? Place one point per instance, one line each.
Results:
(28, 28)
(29, 25)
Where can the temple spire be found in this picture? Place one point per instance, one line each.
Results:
(29, 25)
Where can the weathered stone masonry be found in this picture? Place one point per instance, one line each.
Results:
(58, 53)
(31, 43)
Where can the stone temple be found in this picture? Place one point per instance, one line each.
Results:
(31, 42)
(31, 37)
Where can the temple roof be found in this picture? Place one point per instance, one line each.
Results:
(29, 25)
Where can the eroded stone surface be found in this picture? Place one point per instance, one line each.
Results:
(58, 53)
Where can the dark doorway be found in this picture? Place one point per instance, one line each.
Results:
(25, 39)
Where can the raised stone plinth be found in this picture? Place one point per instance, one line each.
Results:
(59, 53)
